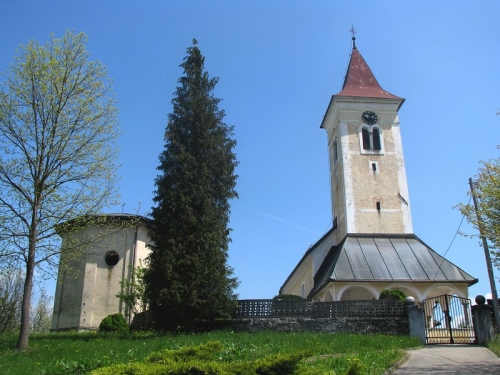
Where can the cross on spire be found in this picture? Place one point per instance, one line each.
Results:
(352, 30)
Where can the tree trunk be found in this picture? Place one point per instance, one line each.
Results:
(24, 330)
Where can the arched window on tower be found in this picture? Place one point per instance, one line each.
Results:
(366, 139)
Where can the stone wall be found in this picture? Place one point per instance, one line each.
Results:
(390, 326)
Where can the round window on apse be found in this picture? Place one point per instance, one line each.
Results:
(111, 258)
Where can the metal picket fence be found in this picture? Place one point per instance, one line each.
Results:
(270, 308)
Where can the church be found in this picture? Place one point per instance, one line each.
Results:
(371, 245)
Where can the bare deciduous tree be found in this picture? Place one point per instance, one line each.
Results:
(41, 312)
(11, 294)
(57, 154)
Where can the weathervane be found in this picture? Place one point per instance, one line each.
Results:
(353, 31)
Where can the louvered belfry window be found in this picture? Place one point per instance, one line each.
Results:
(376, 139)
(366, 139)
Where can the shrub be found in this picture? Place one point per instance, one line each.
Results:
(394, 294)
(114, 323)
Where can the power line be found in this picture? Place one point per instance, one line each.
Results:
(453, 240)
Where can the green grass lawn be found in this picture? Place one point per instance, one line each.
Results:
(79, 353)
(494, 345)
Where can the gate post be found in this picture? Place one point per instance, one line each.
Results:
(447, 318)
(481, 318)
(416, 319)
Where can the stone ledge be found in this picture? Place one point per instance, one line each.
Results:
(391, 326)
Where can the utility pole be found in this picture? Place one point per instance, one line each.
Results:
(494, 294)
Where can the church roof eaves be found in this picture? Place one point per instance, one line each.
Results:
(100, 219)
(311, 248)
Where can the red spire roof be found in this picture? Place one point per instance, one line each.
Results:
(360, 81)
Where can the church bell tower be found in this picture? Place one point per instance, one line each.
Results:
(367, 170)
(371, 245)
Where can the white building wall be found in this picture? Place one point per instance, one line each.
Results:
(87, 293)
(304, 274)
(356, 188)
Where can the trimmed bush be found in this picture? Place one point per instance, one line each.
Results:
(279, 364)
(184, 368)
(114, 323)
(204, 360)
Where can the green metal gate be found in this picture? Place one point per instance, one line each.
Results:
(448, 320)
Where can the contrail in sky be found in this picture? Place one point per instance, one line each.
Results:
(283, 221)
(266, 258)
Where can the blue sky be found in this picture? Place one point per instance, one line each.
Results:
(279, 62)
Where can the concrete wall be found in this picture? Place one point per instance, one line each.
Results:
(483, 323)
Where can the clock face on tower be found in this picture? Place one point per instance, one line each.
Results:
(369, 117)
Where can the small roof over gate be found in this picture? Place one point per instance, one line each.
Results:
(376, 257)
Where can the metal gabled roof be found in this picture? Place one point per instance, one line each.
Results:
(376, 257)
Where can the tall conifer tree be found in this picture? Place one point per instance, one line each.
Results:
(188, 279)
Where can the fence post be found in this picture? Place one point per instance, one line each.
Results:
(483, 324)
(416, 319)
